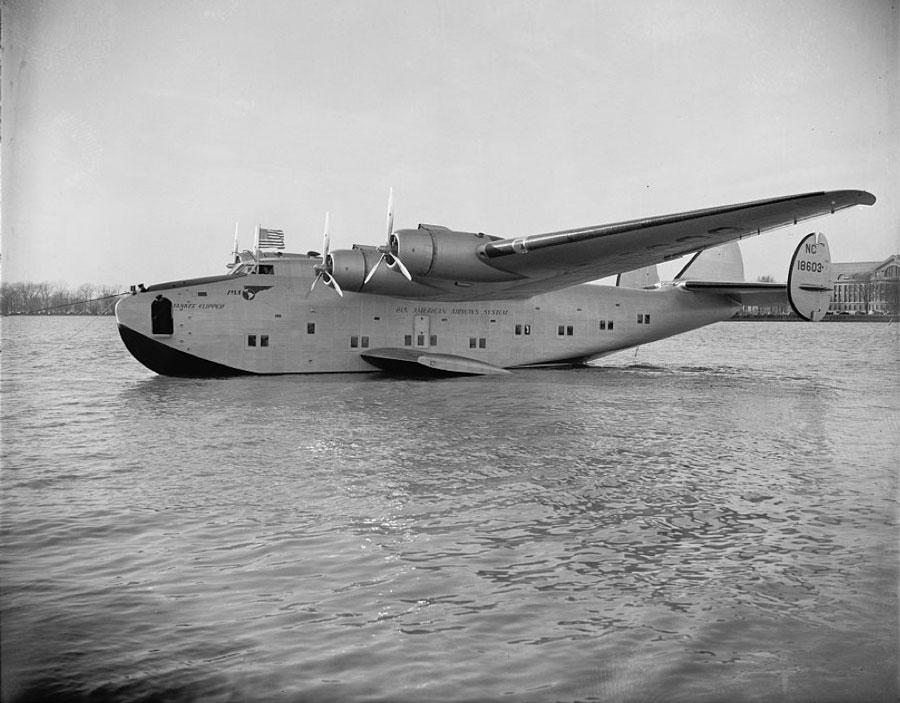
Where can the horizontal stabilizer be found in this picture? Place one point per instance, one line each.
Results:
(417, 361)
(742, 292)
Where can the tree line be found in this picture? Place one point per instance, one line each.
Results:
(46, 298)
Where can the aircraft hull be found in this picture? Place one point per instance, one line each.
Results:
(270, 324)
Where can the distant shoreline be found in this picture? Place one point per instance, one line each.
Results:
(58, 314)
(827, 318)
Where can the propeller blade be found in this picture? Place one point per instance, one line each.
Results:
(334, 284)
(399, 264)
(387, 253)
(390, 214)
(313, 286)
(374, 269)
(322, 269)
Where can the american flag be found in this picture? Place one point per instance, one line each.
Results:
(271, 238)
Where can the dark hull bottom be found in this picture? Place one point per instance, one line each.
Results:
(171, 362)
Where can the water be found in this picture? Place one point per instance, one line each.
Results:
(711, 518)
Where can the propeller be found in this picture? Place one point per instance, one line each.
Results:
(389, 250)
(325, 269)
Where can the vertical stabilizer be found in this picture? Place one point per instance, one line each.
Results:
(639, 278)
(722, 263)
(809, 278)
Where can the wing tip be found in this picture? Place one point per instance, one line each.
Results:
(857, 197)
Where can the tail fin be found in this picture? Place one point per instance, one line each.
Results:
(722, 263)
(639, 278)
(809, 278)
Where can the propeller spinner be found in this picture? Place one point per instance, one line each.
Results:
(389, 250)
(325, 269)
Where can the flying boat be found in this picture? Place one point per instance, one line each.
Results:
(434, 300)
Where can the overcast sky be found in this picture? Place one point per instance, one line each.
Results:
(135, 134)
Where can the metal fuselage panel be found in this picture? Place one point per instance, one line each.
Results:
(268, 324)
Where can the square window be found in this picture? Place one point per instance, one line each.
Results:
(251, 340)
(354, 342)
(561, 330)
(364, 341)
(518, 329)
(527, 329)
(482, 343)
(609, 326)
(420, 340)
(570, 330)
(263, 340)
(310, 328)
(602, 324)
(432, 340)
(407, 340)
(647, 319)
(640, 318)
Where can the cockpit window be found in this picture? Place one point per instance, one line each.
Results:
(253, 268)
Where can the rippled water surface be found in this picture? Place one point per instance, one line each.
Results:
(710, 518)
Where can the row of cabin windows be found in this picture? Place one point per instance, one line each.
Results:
(420, 340)
(569, 330)
(262, 340)
(474, 342)
(356, 342)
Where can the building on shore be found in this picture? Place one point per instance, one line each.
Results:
(867, 287)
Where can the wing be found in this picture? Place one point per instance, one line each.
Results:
(557, 260)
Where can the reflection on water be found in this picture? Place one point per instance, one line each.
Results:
(709, 518)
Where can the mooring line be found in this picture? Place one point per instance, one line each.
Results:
(81, 329)
(77, 302)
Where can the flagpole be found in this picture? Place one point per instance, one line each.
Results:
(235, 252)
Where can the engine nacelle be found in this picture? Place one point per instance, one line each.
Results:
(436, 252)
(349, 268)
